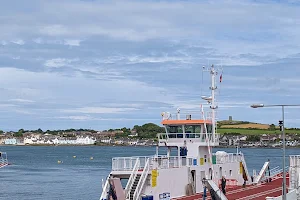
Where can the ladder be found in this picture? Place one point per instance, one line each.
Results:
(134, 186)
(131, 184)
(141, 182)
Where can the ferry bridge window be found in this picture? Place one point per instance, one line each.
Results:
(209, 128)
(174, 131)
(192, 130)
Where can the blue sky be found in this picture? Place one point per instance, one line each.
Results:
(109, 64)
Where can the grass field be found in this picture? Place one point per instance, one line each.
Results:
(245, 131)
(250, 125)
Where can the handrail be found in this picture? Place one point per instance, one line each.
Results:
(273, 174)
(161, 162)
(166, 162)
(262, 172)
(212, 185)
(104, 189)
(142, 180)
(132, 178)
(228, 157)
(245, 166)
(127, 163)
(274, 169)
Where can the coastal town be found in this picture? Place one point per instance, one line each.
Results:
(138, 136)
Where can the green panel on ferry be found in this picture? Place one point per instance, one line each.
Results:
(214, 159)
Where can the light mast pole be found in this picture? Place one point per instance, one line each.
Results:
(213, 88)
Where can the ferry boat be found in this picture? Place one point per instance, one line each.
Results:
(195, 172)
(3, 159)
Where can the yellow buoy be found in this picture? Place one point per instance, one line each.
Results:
(74, 156)
(91, 158)
(58, 161)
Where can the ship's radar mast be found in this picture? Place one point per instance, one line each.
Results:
(212, 98)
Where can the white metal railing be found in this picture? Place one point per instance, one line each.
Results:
(228, 158)
(294, 170)
(142, 180)
(274, 172)
(165, 162)
(183, 115)
(223, 157)
(105, 189)
(132, 179)
(295, 160)
(127, 163)
(156, 162)
(293, 178)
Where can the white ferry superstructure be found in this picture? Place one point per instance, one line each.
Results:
(195, 170)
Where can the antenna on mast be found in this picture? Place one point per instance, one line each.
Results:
(203, 67)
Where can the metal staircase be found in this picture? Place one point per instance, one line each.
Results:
(141, 182)
(134, 186)
(105, 189)
(131, 184)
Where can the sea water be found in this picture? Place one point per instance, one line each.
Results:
(35, 173)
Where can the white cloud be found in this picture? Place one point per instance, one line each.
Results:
(3, 42)
(16, 57)
(60, 62)
(99, 110)
(22, 100)
(127, 49)
(38, 40)
(77, 117)
(140, 21)
(54, 30)
(6, 105)
(23, 111)
(89, 118)
(143, 59)
(72, 42)
(128, 119)
(18, 41)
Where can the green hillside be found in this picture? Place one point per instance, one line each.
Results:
(250, 128)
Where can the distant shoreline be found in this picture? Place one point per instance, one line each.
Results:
(121, 145)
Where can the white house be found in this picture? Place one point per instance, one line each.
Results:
(133, 142)
(106, 140)
(10, 141)
(85, 140)
(30, 140)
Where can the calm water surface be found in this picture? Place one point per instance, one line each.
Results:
(35, 173)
